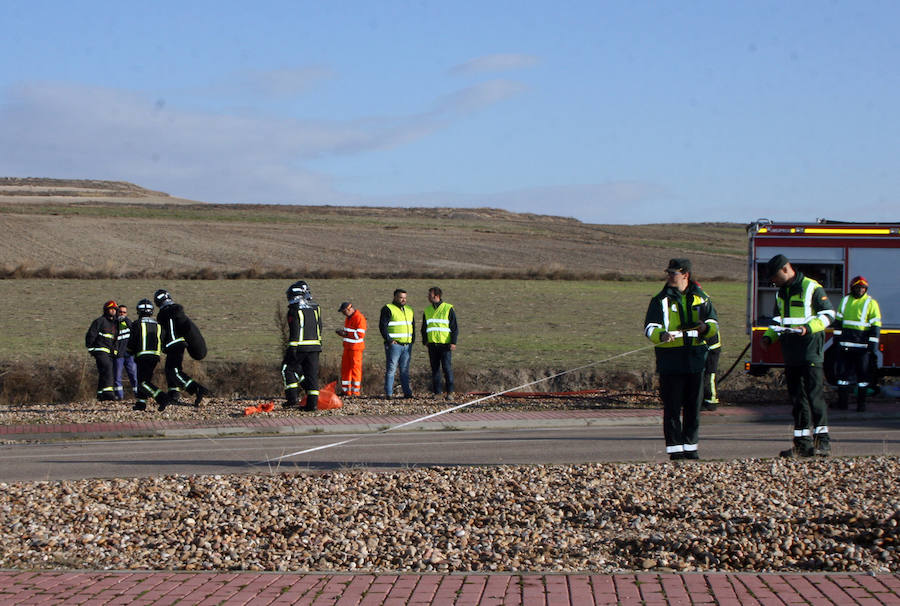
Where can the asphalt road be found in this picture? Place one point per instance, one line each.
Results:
(403, 450)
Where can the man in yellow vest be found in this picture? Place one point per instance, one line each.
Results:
(439, 333)
(397, 325)
(802, 313)
(857, 327)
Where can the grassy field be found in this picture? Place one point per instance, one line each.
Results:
(505, 324)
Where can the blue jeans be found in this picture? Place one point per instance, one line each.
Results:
(127, 364)
(396, 354)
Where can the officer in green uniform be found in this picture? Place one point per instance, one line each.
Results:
(679, 321)
(802, 313)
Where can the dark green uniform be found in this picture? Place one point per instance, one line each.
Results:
(680, 362)
(803, 302)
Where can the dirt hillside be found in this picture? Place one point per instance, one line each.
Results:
(109, 229)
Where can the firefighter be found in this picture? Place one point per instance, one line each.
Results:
(802, 313)
(300, 366)
(353, 333)
(179, 333)
(710, 393)
(100, 341)
(679, 321)
(397, 325)
(124, 362)
(145, 345)
(439, 333)
(857, 327)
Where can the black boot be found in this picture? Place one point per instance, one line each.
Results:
(861, 399)
(201, 393)
(162, 400)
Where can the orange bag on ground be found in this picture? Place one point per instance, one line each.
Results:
(327, 398)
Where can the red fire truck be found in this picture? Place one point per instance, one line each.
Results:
(832, 253)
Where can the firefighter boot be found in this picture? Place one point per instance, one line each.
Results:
(802, 448)
(201, 393)
(861, 398)
(312, 402)
(140, 405)
(822, 445)
(843, 397)
(291, 398)
(162, 401)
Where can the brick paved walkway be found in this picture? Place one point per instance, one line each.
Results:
(227, 589)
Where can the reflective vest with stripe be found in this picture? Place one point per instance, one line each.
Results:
(308, 323)
(150, 338)
(355, 327)
(437, 323)
(400, 327)
(858, 321)
(798, 309)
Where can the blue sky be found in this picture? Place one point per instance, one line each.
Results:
(610, 112)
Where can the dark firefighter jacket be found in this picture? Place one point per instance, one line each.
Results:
(674, 312)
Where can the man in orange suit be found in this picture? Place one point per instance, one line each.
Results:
(354, 333)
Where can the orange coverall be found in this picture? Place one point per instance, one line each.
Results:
(351, 361)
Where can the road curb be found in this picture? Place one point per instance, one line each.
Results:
(454, 422)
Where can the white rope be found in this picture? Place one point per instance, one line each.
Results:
(459, 406)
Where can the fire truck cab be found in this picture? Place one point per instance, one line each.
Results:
(831, 253)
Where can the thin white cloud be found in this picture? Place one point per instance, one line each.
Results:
(286, 82)
(494, 63)
(478, 96)
(65, 130)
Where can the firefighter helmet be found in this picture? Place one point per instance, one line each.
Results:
(161, 297)
(859, 281)
(145, 308)
(298, 290)
(110, 304)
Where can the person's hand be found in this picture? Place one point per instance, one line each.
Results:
(666, 337)
(803, 330)
(702, 328)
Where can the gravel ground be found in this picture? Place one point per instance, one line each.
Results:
(750, 515)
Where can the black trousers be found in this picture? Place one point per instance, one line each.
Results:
(680, 394)
(806, 386)
(105, 374)
(854, 366)
(146, 364)
(441, 359)
(301, 369)
(176, 378)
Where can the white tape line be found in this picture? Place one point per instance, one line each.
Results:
(459, 406)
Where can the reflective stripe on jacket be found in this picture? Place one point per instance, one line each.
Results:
(146, 338)
(437, 323)
(355, 327)
(101, 336)
(305, 324)
(801, 302)
(858, 321)
(678, 314)
(400, 324)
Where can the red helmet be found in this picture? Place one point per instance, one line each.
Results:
(859, 281)
(109, 304)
